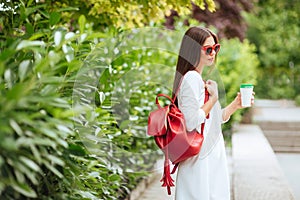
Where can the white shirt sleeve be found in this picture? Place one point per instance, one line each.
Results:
(191, 99)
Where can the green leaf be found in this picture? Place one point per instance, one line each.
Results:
(81, 22)
(68, 9)
(62, 142)
(36, 36)
(52, 79)
(9, 144)
(1, 162)
(74, 65)
(62, 103)
(6, 54)
(19, 176)
(27, 43)
(44, 142)
(30, 10)
(28, 168)
(18, 91)
(77, 150)
(23, 68)
(36, 153)
(49, 132)
(2, 186)
(63, 129)
(54, 18)
(53, 169)
(23, 189)
(58, 36)
(29, 3)
(32, 165)
(32, 177)
(26, 142)
(86, 195)
(55, 160)
(114, 177)
(29, 29)
(16, 127)
(8, 78)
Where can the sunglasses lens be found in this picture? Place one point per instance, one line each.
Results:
(217, 48)
(209, 50)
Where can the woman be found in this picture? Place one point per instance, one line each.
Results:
(204, 176)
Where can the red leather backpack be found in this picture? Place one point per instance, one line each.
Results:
(167, 125)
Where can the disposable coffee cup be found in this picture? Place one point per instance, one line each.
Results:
(246, 94)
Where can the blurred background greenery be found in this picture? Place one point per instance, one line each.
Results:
(78, 80)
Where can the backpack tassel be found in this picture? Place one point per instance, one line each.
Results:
(167, 179)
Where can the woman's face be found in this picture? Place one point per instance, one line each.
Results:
(207, 60)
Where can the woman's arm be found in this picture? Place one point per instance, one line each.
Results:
(229, 110)
(209, 104)
(233, 106)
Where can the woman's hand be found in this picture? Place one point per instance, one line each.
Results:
(234, 105)
(238, 100)
(212, 88)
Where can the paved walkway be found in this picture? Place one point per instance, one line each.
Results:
(257, 173)
(287, 118)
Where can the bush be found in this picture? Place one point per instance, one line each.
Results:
(52, 146)
(75, 114)
(278, 75)
(297, 100)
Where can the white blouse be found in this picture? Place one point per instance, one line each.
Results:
(190, 100)
(204, 176)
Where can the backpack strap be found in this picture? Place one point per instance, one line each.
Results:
(162, 95)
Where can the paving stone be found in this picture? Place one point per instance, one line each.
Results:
(257, 174)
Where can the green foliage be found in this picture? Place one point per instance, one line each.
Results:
(55, 146)
(34, 120)
(297, 100)
(103, 13)
(274, 29)
(133, 13)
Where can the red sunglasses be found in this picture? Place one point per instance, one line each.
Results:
(209, 49)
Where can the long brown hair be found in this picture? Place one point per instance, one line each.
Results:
(190, 51)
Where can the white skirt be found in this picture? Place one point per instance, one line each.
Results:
(206, 178)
